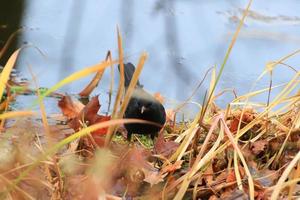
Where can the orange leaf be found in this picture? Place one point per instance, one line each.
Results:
(165, 148)
(69, 108)
(172, 167)
(88, 113)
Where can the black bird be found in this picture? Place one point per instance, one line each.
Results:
(142, 105)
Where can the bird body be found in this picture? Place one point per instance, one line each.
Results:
(142, 105)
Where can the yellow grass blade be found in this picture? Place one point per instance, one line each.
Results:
(280, 183)
(237, 151)
(14, 114)
(93, 84)
(119, 95)
(200, 161)
(129, 92)
(133, 83)
(7, 70)
(78, 75)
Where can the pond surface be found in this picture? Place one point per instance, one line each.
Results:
(183, 39)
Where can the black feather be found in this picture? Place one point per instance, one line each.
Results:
(129, 69)
(142, 105)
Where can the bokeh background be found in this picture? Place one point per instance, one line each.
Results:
(183, 38)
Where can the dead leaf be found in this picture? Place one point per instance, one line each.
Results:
(154, 177)
(81, 187)
(230, 177)
(258, 146)
(88, 115)
(172, 167)
(248, 116)
(209, 179)
(70, 108)
(165, 148)
(233, 194)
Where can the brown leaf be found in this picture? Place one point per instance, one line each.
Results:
(81, 187)
(172, 167)
(209, 177)
(70, 108)
(230, 177)
(165, 148)
(88, 113)
(248, 116)
(258, 146)
(154, 177)
(138, 156)
(130, 171)
(233, 194)
(90, 116)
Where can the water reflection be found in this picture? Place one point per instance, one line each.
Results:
(11, 13)
(173, 47)
(71, 37)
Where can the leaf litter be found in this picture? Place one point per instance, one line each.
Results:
(86, 169)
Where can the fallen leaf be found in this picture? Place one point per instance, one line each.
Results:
(154, 177)
(248, 116)
(88, 115)
(230, 177)
(258, 146)
(81, 187)
(70, 108)
(233, 194)
(165, 148)
(172, 167)
(209, 179)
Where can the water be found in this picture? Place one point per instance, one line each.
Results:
(183, 39)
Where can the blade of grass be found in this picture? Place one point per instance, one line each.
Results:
(4, 76)
(194, 91)
(232, 43)
(111, 85)
(78, 75)
(119, 95)
(286, 138)
(233, 142)
(129, 92)
(95, 81)
(24, 193)
(200, 162)
(200, 116)
(42, 107)
(14, 114)
(280, 183)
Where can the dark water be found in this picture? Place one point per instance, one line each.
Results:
(183, 39)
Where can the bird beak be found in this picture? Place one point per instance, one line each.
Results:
(143, 109)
